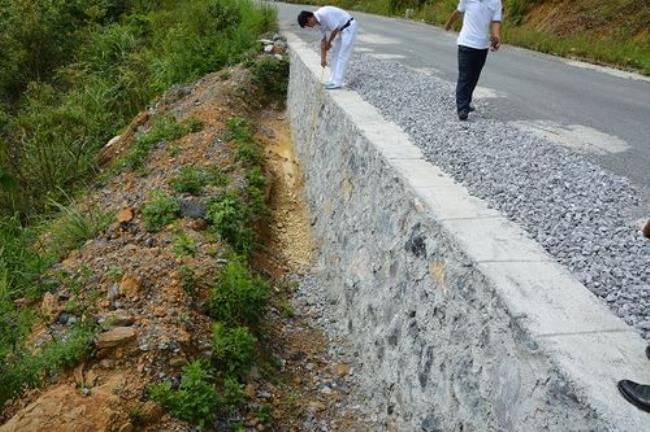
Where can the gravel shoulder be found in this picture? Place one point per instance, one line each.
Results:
(573, 208)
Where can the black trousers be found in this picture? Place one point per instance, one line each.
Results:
(470, 65)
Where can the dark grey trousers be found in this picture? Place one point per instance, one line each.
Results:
(470, 65)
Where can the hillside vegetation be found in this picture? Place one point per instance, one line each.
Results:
(72, 75)
(615, 32)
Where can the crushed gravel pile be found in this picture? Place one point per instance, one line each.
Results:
(572, 207)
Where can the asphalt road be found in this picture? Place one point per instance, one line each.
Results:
(599, 112)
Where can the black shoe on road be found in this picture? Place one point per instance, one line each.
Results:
(647, 352)
(636, 394)
(471, 108)
(462, 115)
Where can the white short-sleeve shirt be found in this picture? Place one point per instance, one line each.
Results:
(331, 18)
(477, 16)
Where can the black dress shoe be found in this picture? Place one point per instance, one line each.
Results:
(462, 115)
(647, 351)
(636, 394)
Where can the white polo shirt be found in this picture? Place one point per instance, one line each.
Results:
(331, 18)
(477, 16)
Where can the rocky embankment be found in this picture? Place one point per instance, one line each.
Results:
(144, 283)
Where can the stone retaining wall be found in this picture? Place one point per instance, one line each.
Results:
(461, 321)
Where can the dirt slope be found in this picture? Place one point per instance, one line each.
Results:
(129, 280)
(629, 18)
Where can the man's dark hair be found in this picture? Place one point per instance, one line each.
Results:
(302, 18)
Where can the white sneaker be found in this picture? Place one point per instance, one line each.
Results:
(332, 86)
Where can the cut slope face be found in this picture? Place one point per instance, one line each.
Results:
(613, 18)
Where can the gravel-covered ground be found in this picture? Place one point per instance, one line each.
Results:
(572, 207)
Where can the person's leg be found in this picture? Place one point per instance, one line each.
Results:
(478, 61)
(348, 37)
(463, 85)
(334, 58)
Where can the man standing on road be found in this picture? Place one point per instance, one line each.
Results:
(480, 32)
(336, 22)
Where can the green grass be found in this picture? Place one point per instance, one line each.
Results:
(165, 128)
(238, 297)
(230, 217)
(217, 177)
(22, 369)
(620, 52)
(247, 151)
(182, 244)
(286, 309)
(74, 73)
(190, 180)
(188, 279)
(255, 190)
(271, 76)
(160, 210)
(233, 395)
(233, 349)
(73, 227)
(196, 399)
(233, 213)
(114, 273)
(21, 265)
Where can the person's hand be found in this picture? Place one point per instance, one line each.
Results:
(323, 62)
(447, 27)
(495, 43)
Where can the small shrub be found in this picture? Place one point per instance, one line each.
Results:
(264, 413)
(183, 244)
(114, 273)
(193, 125)
(255, 191)
(188, 278)
(216, 177)
(238, 297)
(233, 349)
(159, 211)
(190, 180)
(272, 77)
(233, 395)
(20, 264)
(287, 310)
(230, 217)
(238, 129)
(237, 427)
(165, 128)
(67, 351)
(173, 150)
(249, 153)
(135, 416)
(196, 400)
(26, 370)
